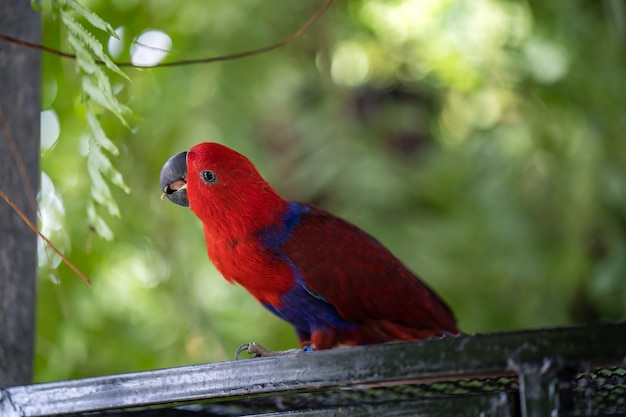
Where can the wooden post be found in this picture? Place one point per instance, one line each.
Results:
(19, 130)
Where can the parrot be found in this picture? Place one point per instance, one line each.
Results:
(333, 282)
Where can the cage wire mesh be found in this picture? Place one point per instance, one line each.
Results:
(597, 392)
(600, 392)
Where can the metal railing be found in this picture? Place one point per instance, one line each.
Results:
(549, 372)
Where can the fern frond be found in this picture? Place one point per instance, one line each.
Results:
(99, 135)
(90, 41)
(93, 19)
(96, 88)
(102, 228)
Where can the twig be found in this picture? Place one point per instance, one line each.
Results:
(184, 62)
(45, 239)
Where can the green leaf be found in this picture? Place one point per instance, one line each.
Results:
(90, 41)
(97, 160)
(91, 17)
(105, 100)
(117, 179)
(102, 229)
(96, 88)
(98, 133)
(84, 59)
(103, 88)
(100, 191)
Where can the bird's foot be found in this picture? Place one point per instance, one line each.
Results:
(259, 351)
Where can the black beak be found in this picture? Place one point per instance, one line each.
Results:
(173, 179)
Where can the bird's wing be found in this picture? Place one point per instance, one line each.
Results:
(344, 266)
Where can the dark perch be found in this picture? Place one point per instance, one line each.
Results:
(527, 373)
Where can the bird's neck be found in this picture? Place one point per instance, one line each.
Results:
(237, 223)
(246, 252)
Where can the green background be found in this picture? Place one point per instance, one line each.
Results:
(482, 141)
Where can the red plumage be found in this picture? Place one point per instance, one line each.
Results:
(335, 283)
(365, 283)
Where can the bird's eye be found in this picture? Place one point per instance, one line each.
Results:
(208, 177)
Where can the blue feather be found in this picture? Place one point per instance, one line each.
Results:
(305, 309)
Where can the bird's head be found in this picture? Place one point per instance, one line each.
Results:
(219, 185)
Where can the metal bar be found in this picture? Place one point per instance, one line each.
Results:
(537, 389)
(545, 388)
(492, 405)
(398, 363)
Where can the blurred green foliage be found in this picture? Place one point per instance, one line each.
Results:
(482, 141)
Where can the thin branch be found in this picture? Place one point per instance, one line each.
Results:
(44, 48)
(45, 239)
(184, 62)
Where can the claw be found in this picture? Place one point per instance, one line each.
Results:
(240, 349)
(257, 350)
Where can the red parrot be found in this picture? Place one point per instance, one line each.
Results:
(333, 282)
